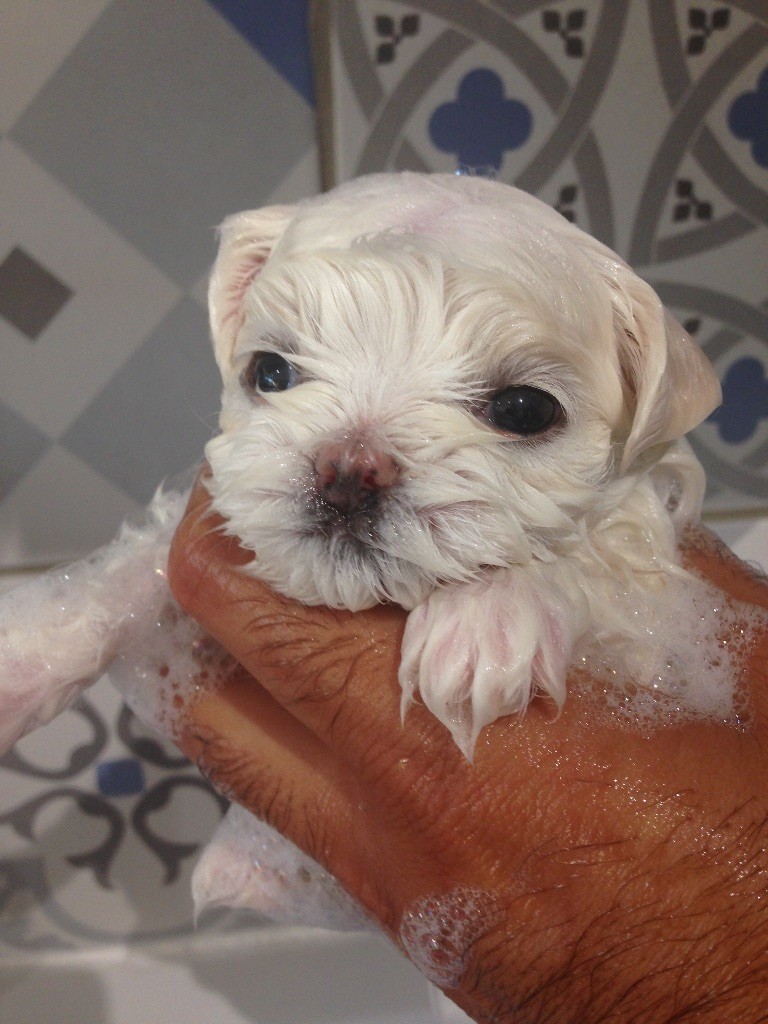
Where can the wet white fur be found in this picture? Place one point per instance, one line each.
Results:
(405, 301)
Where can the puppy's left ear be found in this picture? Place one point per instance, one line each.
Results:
(671, 383)
(246, 241)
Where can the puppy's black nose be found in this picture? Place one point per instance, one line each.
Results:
(351, 472)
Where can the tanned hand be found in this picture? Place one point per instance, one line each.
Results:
(616, 876)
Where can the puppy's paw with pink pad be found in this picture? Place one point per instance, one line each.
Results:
(484, 649)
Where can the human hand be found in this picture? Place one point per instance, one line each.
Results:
(576, 871)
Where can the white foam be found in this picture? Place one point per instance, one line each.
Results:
(247, 864)
(60, 630)
(165, 663)
(682, 661)
(438, 932)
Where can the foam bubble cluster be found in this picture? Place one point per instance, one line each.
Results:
(438, 932)
(682, 661)
(166, 662)
(60, 630)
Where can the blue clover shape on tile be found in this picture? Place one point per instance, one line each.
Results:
(480, 125)
(745, 401)
(748, 119)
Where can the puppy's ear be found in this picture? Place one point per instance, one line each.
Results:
(671, 384)
(245, 243)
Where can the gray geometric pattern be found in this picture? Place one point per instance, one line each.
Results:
(130, 438)
(177, 128)
(23, 445)
(30, 295)
(141, 126)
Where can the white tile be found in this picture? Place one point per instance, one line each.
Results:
(13, 578)
(302, 181)
(34, 39)
(119, 298)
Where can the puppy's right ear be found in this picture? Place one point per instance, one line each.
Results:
(245, 243)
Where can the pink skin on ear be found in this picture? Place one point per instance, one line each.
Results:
(242, 279)
(246, 243)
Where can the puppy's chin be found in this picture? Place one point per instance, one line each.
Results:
(341, 573)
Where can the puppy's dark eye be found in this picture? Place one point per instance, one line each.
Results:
(524, 410)
(268, 371)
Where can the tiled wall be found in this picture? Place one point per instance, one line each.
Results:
(130, 128)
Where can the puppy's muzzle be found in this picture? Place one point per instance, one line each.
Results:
(351, 472)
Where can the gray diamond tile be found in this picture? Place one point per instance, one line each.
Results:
(30, 295)
(22, 446)
(33, 42)
(163, 120)
(154, 417)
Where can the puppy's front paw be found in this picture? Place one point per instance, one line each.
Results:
(483, 649)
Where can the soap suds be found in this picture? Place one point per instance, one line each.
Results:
(438, 932)
(59, 630)
(166, 662)
(682, 662)
(247, 864)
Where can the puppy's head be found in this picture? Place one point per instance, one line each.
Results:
(425, 376)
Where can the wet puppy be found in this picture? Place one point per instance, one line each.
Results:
(439, 392)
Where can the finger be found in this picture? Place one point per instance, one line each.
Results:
(258, 754)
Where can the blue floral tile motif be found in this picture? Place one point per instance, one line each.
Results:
(480, 125)
(748, 119)
(745, 401)
(122, 777)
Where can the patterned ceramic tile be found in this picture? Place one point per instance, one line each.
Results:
(35, 39)
(123, 151)
(24, 445)
(178, 126)
(117, 297)
(30, 295)
(153, 418)
(100, 823)
(39, 529)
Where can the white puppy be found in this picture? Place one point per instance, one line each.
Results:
(439, 392)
